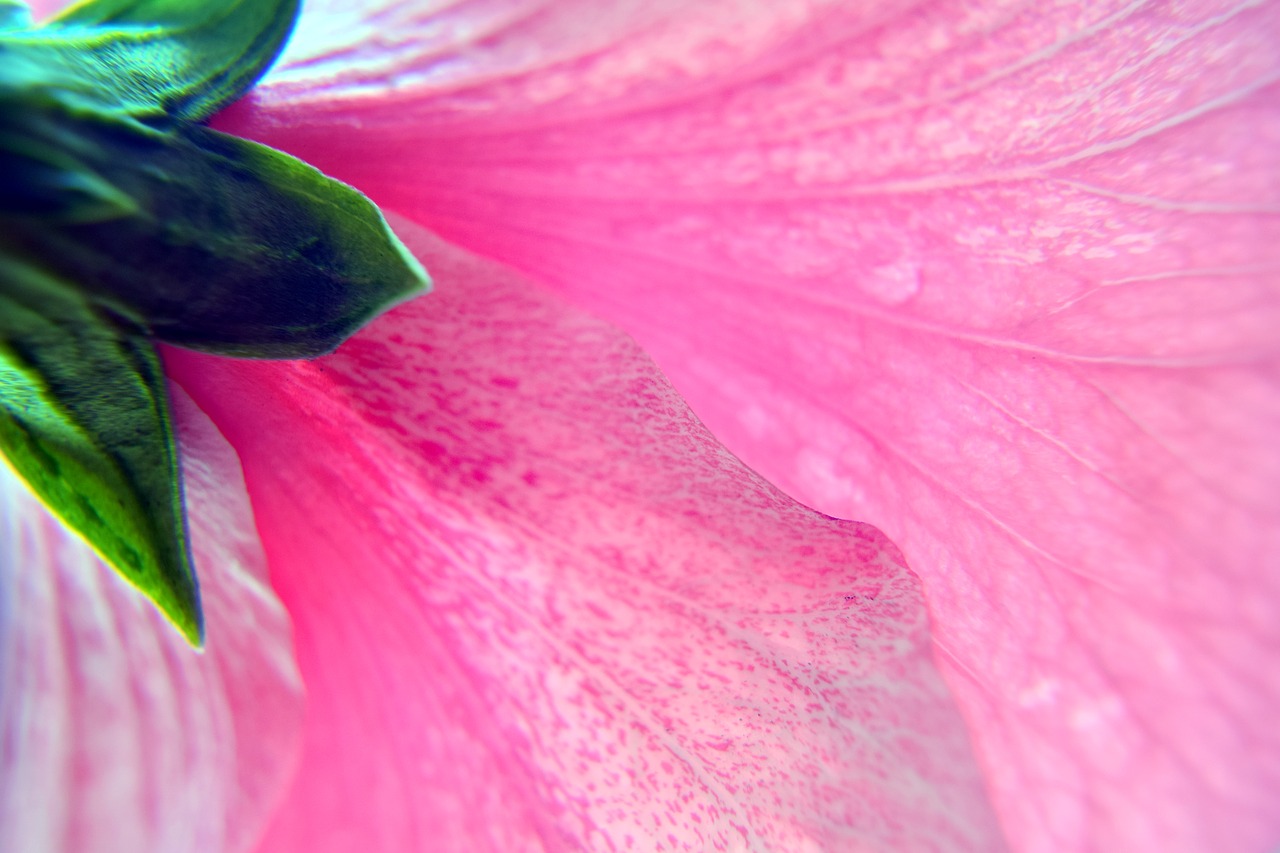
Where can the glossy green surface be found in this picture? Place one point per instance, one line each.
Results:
(152, 59)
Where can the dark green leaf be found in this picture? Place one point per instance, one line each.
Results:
(229, 246)
(149, 58)
(84, 420)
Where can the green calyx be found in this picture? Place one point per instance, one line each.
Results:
(122, 222)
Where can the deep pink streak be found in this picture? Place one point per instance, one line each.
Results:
(539, 607)
(999, 279)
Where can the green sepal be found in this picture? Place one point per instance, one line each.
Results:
(184, 59)
(122, 221)
(84, 419)
(221, 245)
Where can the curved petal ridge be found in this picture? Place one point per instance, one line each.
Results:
(998, 278)
(539, 607)
(114, 733)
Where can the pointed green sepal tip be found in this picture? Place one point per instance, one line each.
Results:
(84, 420)
(212, 242)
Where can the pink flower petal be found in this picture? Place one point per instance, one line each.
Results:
(114, 734)
(998, 278)
(539, 607)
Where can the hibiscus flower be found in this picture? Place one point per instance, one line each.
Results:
(997, 279)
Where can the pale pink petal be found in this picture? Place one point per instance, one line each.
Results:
(115, 735)
(41, 9)
(539, 607)
(998, 278)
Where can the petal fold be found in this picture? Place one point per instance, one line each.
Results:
(539, 607)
